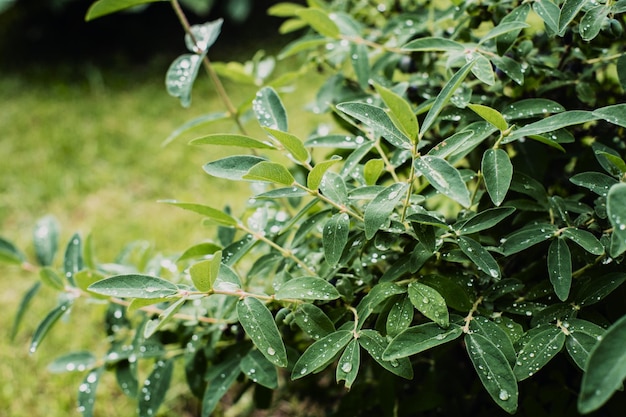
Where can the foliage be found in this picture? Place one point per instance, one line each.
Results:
(461, 215)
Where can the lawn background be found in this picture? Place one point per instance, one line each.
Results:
(84, 145)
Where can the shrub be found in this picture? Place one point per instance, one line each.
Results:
(454, 231)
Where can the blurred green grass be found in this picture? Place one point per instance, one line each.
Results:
(88, 151)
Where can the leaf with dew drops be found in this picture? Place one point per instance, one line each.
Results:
(201, 37)
(321, 353)
(560, 268)
(480, 256)
(498, 172)
(134, 286)
(307, 288)
(269, 109)
(616, 210)
(379, 210)
(152, 394)
(313, 321)
(259, 325)
(181, 75)
(375, 344)
(419, 338)
(542, 347)
(73, 362)
(429, 302)
(444, 178)
(46, 240)
(606, 369)
(46, 324)
(87, 392)
(349, 362)
(259, 370)
(494, 371)
(73, 259)
(335, 237)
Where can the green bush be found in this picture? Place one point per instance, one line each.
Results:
(450, 241)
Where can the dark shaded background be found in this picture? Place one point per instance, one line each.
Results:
(45, 35)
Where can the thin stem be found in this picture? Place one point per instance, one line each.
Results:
(221, 91)
(155, 310)
(342, 208)
(410, 181)
(470, 315)
(388, 166)
(285, 252)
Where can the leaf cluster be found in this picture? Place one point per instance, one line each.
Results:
(461, 217)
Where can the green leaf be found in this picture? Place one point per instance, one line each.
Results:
(417, 339)
(73, 362)
(198, 121)
(569, 10)
(430, 44)
(203, 36)
(313, 321)
(549, 13)
(320, 21)
(104, 7)
(484, 220)
(496, 335)
(50, 277)
(597, 288)
(134, 286)
(199, 251)
(232, 167)
(181, 75)
(335, 237)
(498, 172)
(360, 64)
(73, 259)
(400, 316)
(154, 325)
(214, 215)
(582, 336)
(379, 210)
(527, 237)
(46, 324)
(429, 302)
(269, 109)
(317, 173)
(445, 178)
(321, 353)
(455, 289)
(552, 123)
(46, 240)
(85, 278)
(479, 256)
(503, 28)
(307, 288)
(616, 211)
(400, 111)
(349, 362)
(614, 161)
(259, 370)
(606, 369)
(292, 144)
(459, 142)
(220, 377)
(591, 22)
(10, 253)
(204, 273)
(490, 115)
(531, 107)
(257, 321)
(494, 371)
(375, 345)
(155, 387)
(584, 239)
(444, 96)
(126, 376)
(482, 68)
(505, 41)
(270, 172)
(87, 392)
(231, 140)
(538, 351)
(560, 268)
(372, 170)
(378, 120)
(333, 186)
(23, 306)
(615, 114)
(378, 294)
(510, 67)
(597, 182)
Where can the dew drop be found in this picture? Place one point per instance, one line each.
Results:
(504, 395)
(271, 351)
(346, 367)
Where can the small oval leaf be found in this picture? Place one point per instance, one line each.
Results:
(258, 322)
(134, 286)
